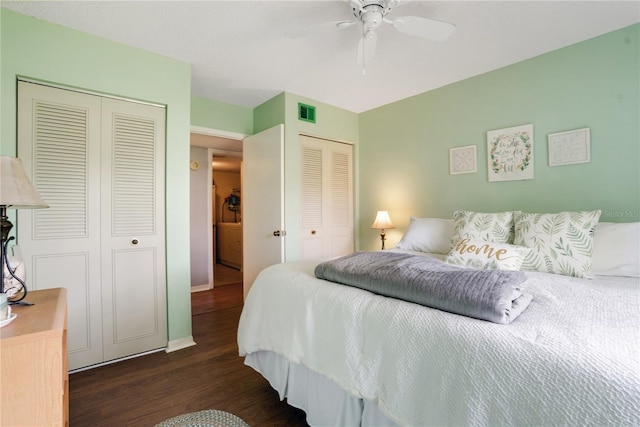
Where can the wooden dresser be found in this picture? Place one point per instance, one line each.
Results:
(34, 379)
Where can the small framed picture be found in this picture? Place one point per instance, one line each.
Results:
(510, 153)
(570, 147)
(463, 160)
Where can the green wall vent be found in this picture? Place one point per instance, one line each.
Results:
(306, 113)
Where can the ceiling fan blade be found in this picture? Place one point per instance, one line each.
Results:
(346, 24)
(302, 32)
(424, 27)
(367, 47)
(355, 4)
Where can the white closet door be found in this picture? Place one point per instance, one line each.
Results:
(340, 198)
(99, 164)
(313, 219)
(59, 144)
(327, 198)
(133, 239)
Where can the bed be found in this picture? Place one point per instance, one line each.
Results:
(348, 356)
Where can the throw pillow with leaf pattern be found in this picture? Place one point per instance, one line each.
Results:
(490, 227)
(561, 243)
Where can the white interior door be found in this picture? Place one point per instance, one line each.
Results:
(263, 202)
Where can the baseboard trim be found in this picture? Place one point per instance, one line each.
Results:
(180, 344)
(109, 362)
(200, 288)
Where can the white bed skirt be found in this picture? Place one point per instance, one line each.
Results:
(325, 403)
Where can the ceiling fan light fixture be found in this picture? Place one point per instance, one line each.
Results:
(372, 17)
(370, 14)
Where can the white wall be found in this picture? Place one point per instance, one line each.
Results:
(200, 188)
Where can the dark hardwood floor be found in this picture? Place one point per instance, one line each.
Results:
(146, 390)
(225, 275)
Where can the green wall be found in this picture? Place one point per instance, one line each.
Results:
(404, 146)
(269, 113)
(213, 114)
(52, 53)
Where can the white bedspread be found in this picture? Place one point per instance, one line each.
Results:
(572, 358)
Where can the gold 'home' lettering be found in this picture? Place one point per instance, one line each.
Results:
(487, 250)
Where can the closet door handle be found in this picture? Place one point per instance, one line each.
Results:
(276, 233)
(134, 241)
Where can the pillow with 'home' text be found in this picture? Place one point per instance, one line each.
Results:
(485, 255)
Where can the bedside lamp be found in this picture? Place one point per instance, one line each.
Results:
(381, 222)
(16, 191)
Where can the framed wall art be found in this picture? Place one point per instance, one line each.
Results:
(510, 153)
(463, 160)
(570, 147)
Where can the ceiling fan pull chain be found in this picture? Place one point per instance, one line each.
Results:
(364, 47)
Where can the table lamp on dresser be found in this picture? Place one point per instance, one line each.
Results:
(17, 192)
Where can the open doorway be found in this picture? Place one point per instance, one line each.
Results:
(227, 218)
(216, 223)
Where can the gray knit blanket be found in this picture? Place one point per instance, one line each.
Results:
(493, 295)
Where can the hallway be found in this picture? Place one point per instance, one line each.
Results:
(223, 275)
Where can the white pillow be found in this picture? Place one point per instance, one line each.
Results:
(427, 235)
(561, 243)
(616, 249)
(485, 255)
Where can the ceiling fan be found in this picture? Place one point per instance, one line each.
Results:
(371, 14)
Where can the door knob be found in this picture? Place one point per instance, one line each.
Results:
(313, 232)
(134, 241)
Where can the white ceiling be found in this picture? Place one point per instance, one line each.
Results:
(240, 54)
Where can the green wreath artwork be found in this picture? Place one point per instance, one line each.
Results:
(510, 152)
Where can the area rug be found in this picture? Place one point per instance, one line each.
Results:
(208, 418)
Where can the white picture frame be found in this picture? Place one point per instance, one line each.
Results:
(510, 153)
(570, 147)
(463, 160)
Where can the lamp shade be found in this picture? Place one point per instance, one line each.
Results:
(382, 220)
(16, 190)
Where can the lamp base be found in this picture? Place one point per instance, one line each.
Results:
(7, 273)
(382, 237)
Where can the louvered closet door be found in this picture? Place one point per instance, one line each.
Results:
(326, 199)
(133, 256)
(340, 197)
(313, 202)
(59, 144)
(99, 164)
